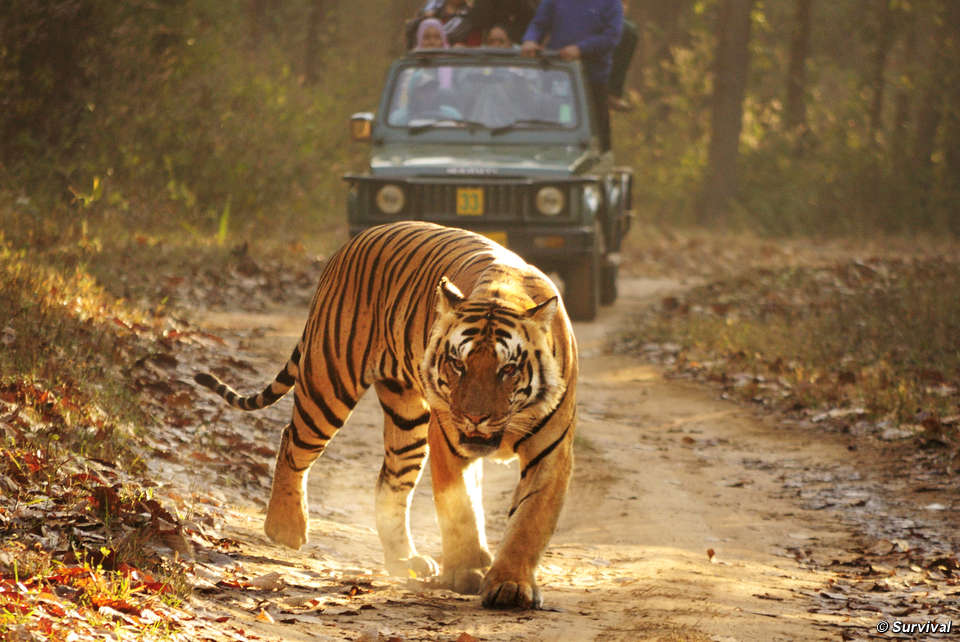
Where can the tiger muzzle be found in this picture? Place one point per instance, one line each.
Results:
(480, 443)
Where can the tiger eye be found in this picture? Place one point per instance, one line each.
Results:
(456, 365)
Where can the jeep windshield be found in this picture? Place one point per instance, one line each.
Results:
(499, 98)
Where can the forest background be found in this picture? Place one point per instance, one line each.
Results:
(207, 119)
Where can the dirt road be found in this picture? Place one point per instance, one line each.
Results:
(688, 518)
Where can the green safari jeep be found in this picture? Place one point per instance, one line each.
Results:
(506, 146)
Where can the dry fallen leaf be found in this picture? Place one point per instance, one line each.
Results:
(881, 547)
(268, 582)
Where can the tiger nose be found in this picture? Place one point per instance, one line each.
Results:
(476, 420)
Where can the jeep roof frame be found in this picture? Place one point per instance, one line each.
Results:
(544, 57)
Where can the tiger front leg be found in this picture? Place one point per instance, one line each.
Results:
(393, 526)
(287, 521)
(406, 417)
(457, 497)
(313, 425)
(536, 506)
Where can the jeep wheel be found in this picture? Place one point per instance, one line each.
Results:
(608, 283)
(582, 280)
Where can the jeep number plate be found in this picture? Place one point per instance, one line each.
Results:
(469, 201)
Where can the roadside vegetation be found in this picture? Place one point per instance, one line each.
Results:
(865, 345)
(75, 512)
(93, 541)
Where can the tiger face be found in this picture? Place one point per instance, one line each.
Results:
(489, 367)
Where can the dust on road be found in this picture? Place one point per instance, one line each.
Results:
(683, 519)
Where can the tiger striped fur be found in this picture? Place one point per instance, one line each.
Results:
(472, 355)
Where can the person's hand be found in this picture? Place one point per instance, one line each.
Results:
(529, 48)
(570, 52)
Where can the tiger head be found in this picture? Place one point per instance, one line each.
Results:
(489, 366)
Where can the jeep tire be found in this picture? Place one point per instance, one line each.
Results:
(608, 283)
(582, 281)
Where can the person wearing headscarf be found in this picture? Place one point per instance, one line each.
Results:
(430, 35)
(430, 89)
(453, 15)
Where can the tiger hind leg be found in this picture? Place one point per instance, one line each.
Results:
(406, 417)
(315, 421)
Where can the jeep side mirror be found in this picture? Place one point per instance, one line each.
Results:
(361, 126)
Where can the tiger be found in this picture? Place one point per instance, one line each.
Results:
(472, 355)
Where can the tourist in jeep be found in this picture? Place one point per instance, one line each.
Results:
(454, 18)
(430, 35)
(587, 30)
(498, 38)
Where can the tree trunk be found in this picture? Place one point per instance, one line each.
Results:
(637, 67)
(258, 14)
(900, 137)
(879, 67)
(312, 46)
(930, 106)
(730, 83)
(951, 89)
(397, 15)
(795, 115)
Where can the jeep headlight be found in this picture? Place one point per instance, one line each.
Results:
(550, 201)
(390, 199)
(591, 198)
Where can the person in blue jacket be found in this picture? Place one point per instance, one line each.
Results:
(587, 30)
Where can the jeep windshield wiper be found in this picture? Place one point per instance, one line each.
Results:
(444, 122)
(527, 122)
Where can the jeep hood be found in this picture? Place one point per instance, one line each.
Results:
(480, 160)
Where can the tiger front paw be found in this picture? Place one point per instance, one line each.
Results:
(413, 566)
(286, 523)
(466, 581)
(465, 572)
(502, 590)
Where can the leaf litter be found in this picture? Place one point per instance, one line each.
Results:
(94, 546)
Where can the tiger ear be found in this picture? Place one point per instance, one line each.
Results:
(448, 296)
(543, 313)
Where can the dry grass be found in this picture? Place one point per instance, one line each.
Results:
(878, 339)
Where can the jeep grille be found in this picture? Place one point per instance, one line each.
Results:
(439, 201)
